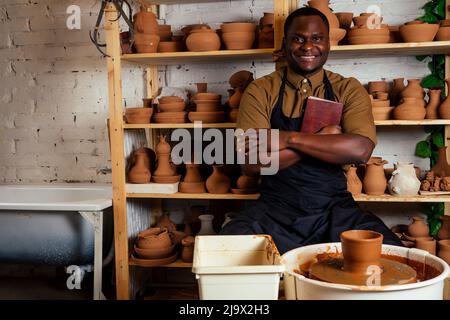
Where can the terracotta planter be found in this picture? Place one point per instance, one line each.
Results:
(418, 32)
(444, 108)
(361, 250)
(218, 182)
(404, 180)
(138, 115)
(413, 90)
(433, 104)
(418, 228)
(203, 40)
(354, 184)
(426, 244)
(410, 109)
(443, 34)
(323, 6)
(397, 87)
(444, 231)
(238, 40)
(444, 250)
(374, 179)
(441, 168)
(140, 172)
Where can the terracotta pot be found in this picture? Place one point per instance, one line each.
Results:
(368, 20)
(146, 43)
(192, 187)
(378, 86)
(207, 96)
(154, 238)
(444, 108)
(404, 181)
(187, 253)
(140, 172)
(444, 250)
(172, 106)
(247, 182)
(441, 168)
(397, 87)
(162, 147)
(266, 37)
(410, 109)
(444, 231)
(377, 103)
(165, 167)
(138, 115)
(170, 46)
(345, 19)
(193, 173)
(165, 223)
(382, 113)
(322, 6)
(418, 228)
(426, 244)
(354, 184)
(170, 99)
(218, 182)
(361, 250)
(413, 90)
(418, 32)
(368, 39)
(267, 19)
(433, 104)
(159, 253)
(238, 40)
(145, 22)
(238, 27)
(374, 179)
(363, 31)
(207, 117)
(203, 40)
(170, 117)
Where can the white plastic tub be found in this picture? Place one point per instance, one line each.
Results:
(237, 267)
(298, 287)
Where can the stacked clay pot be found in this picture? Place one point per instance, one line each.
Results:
(238, 82)
(266, 31)
(165, 171)
(171, 109)
(140, 169)
(368, 29)
(218, 182)
(193, 181)
(155, 244)
(375, 181)
(167, 42)
(418, 31)
(443, 33)
(138, 115)
(238, 35)
(202, 38)
(412, 103)
(208, 107)
(146, 35)
(379, 95)
(336, 33)
(246, 185)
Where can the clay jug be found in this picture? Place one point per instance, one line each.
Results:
(418, 228)
(206, 227)
(413, 90)
(218, 182)
(322, 6)
(374, 179)
(410, 109)
(397, 87)
(441, 168)
(192, 173)
(187, 253)
(354, 184)
(444, 108)
(140, 172)
(404, 180)
(444, 231)
(433, 104)
(444, 250)
(361, 249)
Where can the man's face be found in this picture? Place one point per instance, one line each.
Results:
(307, 45)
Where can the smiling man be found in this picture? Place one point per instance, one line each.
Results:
(307, 201)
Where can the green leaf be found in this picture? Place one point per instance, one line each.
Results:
(439, 9)
(430, 81)
(422, 57)
(423, 149)
(440, 60)
(438, 139)
(434, 225)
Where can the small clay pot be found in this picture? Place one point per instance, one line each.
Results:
(410, 109)
(426, 244)
(192, 187)
(238, 27)
(208, 106)
(207, 96)
(154, 238)
(413, 90)
(218, 182)
(170, 46)
(162, 147)
(170, 99)
(170, 117)
(238, 40)
(138, 115)
(193, 173)
(444, 250)
(418, 228)
(361, 250)
(187, 252)
(444, 231)
(203, 40)
(140, 172)
(375, 181)
(145, 22)
(418, 32)
(172, 106)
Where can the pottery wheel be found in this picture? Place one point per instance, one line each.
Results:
(392, 273)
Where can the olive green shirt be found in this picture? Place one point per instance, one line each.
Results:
(261, 95)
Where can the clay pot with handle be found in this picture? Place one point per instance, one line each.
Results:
(140, 172)
(418, 228)
(375, 182)
(404, 180)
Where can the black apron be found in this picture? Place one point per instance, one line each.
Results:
(306, 203)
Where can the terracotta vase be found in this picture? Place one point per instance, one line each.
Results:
(413, 90)
(361, 250)
(444, 108)
(444, 231)
(354, 184)
(206, 224)
(323, 6)
(187, 253)
(444, 250)
(426, 244)
(375, 182)
(433, 104)
(404, 180)
(140, 172)
(397, 87)
(418, 228)
(410, 109)
(218, 182)
(441, 168)
(193, 173)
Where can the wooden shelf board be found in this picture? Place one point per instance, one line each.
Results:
(389, 198)
(179, 125)
(179, 1)
(391, 49)
(177, 264)
(424, 122)
(198, 57)
(206, 196)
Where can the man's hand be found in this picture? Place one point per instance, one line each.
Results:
(333, 129)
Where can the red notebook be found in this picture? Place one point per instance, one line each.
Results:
(320, 113)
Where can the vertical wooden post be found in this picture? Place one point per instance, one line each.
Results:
(117, 152)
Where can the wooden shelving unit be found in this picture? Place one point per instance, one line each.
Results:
(426, 122)
(224, 125)
(198, 196)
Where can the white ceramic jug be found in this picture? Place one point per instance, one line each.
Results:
(404, 181)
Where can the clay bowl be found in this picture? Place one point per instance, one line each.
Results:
(203, 40)
(238, 40)
(170, 99)
(238, 27)
(172, 107)
(170, 46)
(368, 39)
(345, 19)
(146, 43)
(207, 117)
(208, 106)
(154, 253)
(378, 103)
(420, 32)
(192, 187)
(170, 117)
(207, 96)
(443, 34)
(409, 113)
(138, 115)
(358, 32)
(336, 35)
(382, 113)
(153, 238)
(166, 179)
